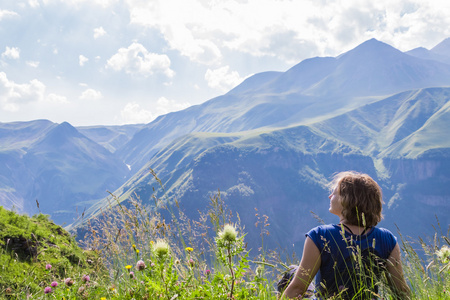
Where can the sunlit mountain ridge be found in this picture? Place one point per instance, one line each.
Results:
(271, 143)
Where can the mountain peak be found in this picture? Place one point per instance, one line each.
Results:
(59, 135)
(372, 47)
(443, 48)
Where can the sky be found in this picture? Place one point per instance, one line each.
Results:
(115, 62)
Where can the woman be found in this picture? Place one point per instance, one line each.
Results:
(333, 252)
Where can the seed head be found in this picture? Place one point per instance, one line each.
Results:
(161, 248)
(228, 234)
(444, 254)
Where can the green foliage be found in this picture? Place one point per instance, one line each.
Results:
(157, 253)
(28, 245)
(429, 273)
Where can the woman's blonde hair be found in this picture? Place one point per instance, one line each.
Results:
(360, 197)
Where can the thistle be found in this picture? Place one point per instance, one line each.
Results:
(227, 235)
(161, 249)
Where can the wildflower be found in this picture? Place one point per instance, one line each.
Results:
(444, 254)
(131, 274)
(134, 246)
(140, 265)
(228, 234)
(8, 291)
(191, 262)
(259, 271)
(54, 284)
(161, 249)
(68, 281)
(137, 251)
(48, 266)
(208, 272)
(81, 289)
(152, 242)
(47, 290)
(103, 298)
(85, 278)
(128, 267)
(189, 249)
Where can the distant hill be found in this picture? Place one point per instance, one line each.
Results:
(440, 52)
(110, 137)
(55, 165)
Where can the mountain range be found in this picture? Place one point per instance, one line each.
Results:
(271, 143)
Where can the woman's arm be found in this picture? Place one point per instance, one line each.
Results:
(397, 279)
(308, 268)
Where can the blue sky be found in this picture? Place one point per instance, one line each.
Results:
(104, 62)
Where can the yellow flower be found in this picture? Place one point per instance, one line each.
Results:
(134, 246)
(128, 267)
(103, 298)
(189, 249)
(137, 251)
(152, 242)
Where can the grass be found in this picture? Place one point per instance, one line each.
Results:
(156, 252)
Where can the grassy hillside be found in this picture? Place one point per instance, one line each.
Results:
(34, 252)
(161, 254)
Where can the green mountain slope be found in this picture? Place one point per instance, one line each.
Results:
(284, 172)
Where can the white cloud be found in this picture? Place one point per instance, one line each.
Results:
(7, 13)
(137, 60)
(91, 94)
(82, 60)
(54, 98)
(33, 64)
(165, 106)
(132, 113)
(33, 3)
(203, 30)
(11, 53)
(13, 95)
(98, 32)
(77, 3)
(222, 78)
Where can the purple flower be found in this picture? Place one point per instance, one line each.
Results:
(54, 284)
(81, 289)
(48, 266)
(208, 272)
(131, 274)
(191, 262)
(140, 265)
(85, 278)
(68, 281)
(47, 290)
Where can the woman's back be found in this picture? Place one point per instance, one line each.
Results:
(350, 264)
